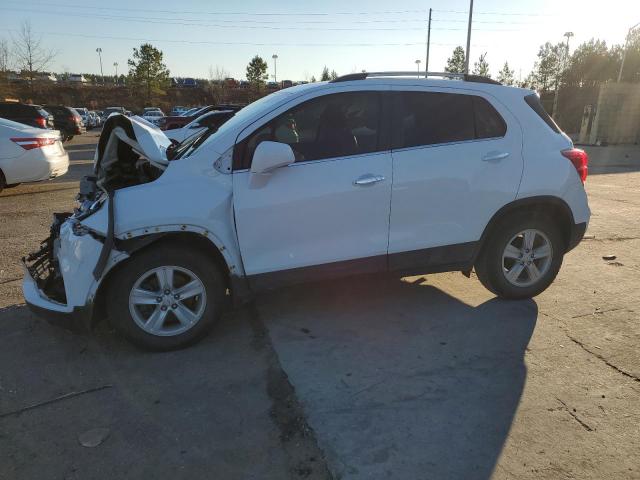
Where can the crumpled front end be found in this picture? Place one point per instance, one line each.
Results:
(58, 281)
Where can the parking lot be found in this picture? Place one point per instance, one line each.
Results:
(368, 377)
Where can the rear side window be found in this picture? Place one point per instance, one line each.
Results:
(429, 118)
(534, 102)
(489, 123)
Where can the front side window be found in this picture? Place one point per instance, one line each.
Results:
(431, 118)
(331, 126)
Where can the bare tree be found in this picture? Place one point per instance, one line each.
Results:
(217, 84)
(30, 54)
(5, 55)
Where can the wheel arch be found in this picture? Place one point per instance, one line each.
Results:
(235, 281)
(547, 205)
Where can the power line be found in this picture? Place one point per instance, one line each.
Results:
(191, 23)
(257, 44)
(275, 14)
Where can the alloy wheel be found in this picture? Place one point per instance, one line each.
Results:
(527, 258)
(167, 300)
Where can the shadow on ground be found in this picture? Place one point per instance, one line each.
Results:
(401, 380)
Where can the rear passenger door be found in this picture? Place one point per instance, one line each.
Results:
(456, 160)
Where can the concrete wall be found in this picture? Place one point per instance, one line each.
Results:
(617, 117)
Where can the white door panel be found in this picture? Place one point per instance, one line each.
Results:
(312, 213)
(445, 194)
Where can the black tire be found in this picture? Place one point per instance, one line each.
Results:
(489, 265)
(165, 254)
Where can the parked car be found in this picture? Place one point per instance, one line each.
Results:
(109, 110)
(178, 110)
(149, 109)
(95, 119)
(66, 120)
(29, 154)
(153, 116)
(169, 123)
(211, 121)
(298, 187)
(189, 112)
(33, 115)
(84, 114)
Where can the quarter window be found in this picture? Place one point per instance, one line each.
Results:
(336, 125)
(489, 123)
(431, 118)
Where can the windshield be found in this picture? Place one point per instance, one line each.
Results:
(249, 111)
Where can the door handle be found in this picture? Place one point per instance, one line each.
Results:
(368, 179)
(495, 156)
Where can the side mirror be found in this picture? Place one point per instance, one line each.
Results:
(271, 155)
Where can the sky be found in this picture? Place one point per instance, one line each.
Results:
(346, 36)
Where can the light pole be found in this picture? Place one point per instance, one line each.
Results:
(466, 57)
(561, 69)
(99, 50)
(418, 65)
(275, 67)
(624, 52)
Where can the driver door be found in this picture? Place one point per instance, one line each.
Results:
(327, 214)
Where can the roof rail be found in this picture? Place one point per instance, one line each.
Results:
(459, 76)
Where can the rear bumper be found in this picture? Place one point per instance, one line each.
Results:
(576, 235)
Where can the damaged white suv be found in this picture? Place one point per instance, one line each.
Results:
(367, 173)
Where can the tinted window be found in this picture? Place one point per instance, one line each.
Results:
(534, 102)
(335, 125)
(425, 118)
(489, 123)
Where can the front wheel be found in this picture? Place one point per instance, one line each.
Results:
(166, 297)
(521, 258)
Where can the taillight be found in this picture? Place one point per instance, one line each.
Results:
(31, 143)
(41, 122)
(580, 160)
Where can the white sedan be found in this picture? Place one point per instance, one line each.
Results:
(29, 154)
(153, 116)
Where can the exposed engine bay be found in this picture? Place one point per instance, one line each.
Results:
(129, 153)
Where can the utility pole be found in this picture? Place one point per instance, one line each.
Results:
(418, 65)
(115, 64)
(426, 66)
(466, 57)
(562, 68)
(275, 67)
(99, 50)
(624, 52)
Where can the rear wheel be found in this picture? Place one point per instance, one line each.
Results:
(521, 257)
(166, 297)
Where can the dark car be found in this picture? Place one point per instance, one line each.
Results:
(169, 123)
(67, 120)
(33, 115)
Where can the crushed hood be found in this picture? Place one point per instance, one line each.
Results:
(144, 139)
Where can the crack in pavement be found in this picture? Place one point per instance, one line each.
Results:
(297, 437)
(564, 329)
(597, 355)
(575, 417)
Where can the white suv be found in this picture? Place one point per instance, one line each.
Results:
(366, 173)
